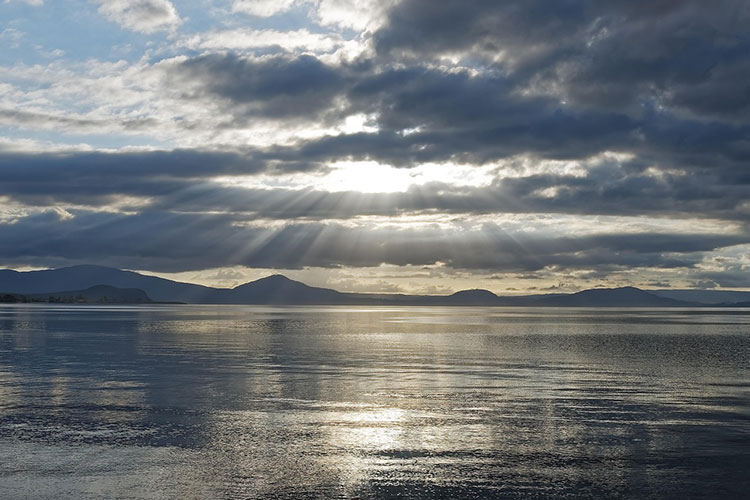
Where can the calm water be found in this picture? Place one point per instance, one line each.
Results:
(256, 402)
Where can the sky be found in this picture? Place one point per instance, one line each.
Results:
(521, 146)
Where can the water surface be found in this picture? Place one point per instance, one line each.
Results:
(410, 402)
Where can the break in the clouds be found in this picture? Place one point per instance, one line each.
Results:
(513, 145)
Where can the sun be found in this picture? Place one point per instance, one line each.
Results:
(368, 177)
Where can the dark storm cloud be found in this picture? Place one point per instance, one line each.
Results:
(166, 241)
(691, 55)
(93, 178)
(480, 118)
(427, 114)
(665, 81)
(272, 87)
(476, 118)
(181, 181)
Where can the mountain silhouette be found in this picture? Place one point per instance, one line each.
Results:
(706, 296)
(278, 289)
(85, 276)
(612, 297)
(475, 297)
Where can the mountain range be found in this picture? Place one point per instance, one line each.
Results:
(110, 283)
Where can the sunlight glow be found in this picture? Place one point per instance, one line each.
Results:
(370, 177)
(371, 429)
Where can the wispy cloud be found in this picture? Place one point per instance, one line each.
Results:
(34, 3)
(262, 8)
(145, 16)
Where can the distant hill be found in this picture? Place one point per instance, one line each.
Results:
(279, 289)
(476, 297)
(98, 294)
(85, 276)
(613, 297)
(705, 296)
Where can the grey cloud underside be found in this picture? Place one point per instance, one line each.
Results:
(459, 116)
(33, 119)
(181, 181)
(688, 54)
(98, 178)
(276, 87)
(170, 242)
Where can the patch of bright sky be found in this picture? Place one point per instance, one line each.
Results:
(19, 144)
(15, 139)
(374, 177)
(11, 210)
(73, 26)
(77, 31)
(440, 280)
(371, 177)
(562, 224)
(238, 39)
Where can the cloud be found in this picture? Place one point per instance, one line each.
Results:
(609, 55)
(144, 16)
(272, 87)
(33, 3)
(190, 181)
(358, 15)
(74, 122)
(241, 39)
(95, 177)
(428, 114)
(178, 242)
(262, 8)
(13, 36)
(418, 113)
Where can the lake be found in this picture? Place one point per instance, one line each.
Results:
(167, 401)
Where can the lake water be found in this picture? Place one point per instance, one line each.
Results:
(289, 403)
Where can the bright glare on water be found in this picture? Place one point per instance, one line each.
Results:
(289, 403)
